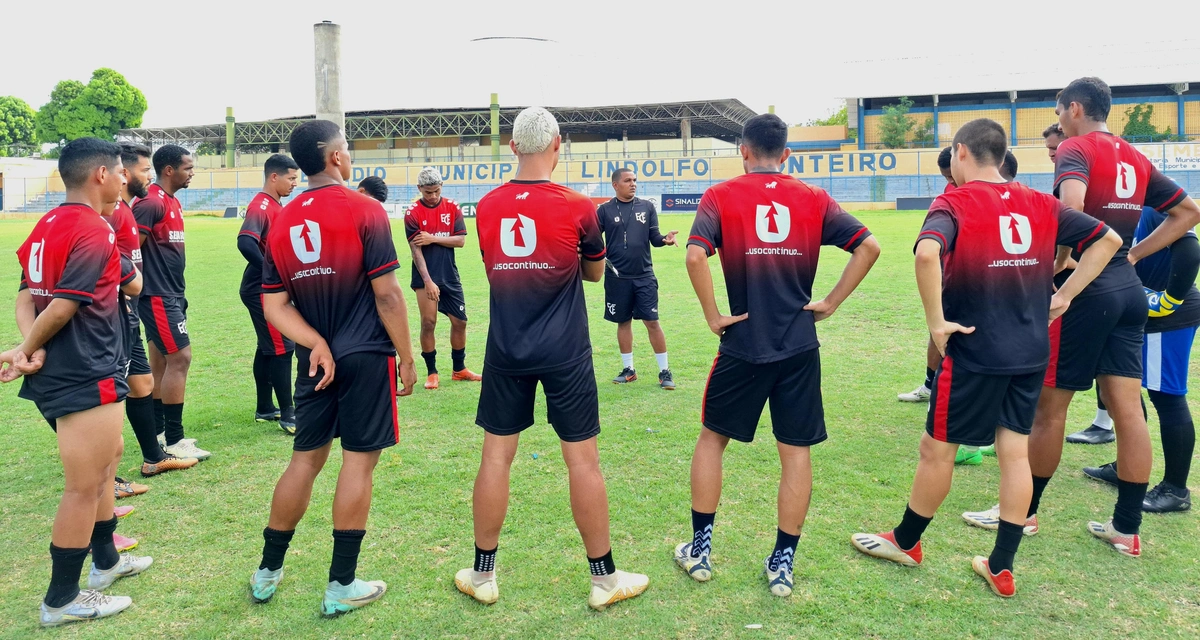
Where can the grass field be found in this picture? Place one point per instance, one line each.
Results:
(203, 526)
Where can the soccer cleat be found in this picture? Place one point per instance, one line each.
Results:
(263, 584)
(124, 544)
(1092, 435)
(266, 416)
(623, 587)
(127, 566)
(344, 598)
(487, 592)
(779, 581)
(123, 488)
(121, 512)
(185, 449)
(970, 456)
(627, 375)
(665, 380)
(88, 605)
(169, 463)
(287, 421)
(466, 375)
(989, 451)
(1167, 498)
(432, 381)
(699, 569)
(883, 545)
(990, 520)
(1125, 544)
(920, 394)
(1106, 473)
(1002, 584)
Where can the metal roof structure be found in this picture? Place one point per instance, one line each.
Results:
(721, 119)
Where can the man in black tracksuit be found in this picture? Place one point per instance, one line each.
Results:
(630, 227)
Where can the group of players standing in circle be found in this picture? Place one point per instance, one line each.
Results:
(1027, 298)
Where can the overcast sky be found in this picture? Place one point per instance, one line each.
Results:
(194, 59)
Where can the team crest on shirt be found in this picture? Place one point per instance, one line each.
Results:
(306, 241)
(641, 216)
(1126, 180)
(773, 222)
(445, 218)
(1016, 235)
(33, 270)
(518, 236)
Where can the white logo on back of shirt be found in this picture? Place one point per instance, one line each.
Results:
(307, 202)
(518, 236)
(306, 241)
(773, 222)
(1126, 180)
(522, 196)
(33, 270)
(771, 185)
(1016, 235)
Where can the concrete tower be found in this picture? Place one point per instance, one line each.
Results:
(328, 67)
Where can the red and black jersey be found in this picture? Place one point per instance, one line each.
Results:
(72, 254)
(1120, 180)
(950, 186)
(443, 220)
(259, 214)
(532, 234)
(324, 248)
(998, 247)
(769, 228)
(129, 245)
(160, 216)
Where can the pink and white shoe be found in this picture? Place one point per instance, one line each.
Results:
(124, 544)
(121, 512)
(1125, 544)
(883, 545)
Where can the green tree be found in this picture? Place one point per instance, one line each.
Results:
(923, 134)
(105, 105)
(16, 125)
(839, 117)
(895, 125)
(1139, 128)
(64, 92)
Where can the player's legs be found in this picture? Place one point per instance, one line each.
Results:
(1134, 453)
(458, 333)
(428, 310)
(158, 367)
(935, 473)
(795, 494)
(173, 386)
(625, 347)
(458, 345)
(706, 471)
(1046, 439)
(490, 496)
(139, 407)
(1016, 481)
(589, 497)
(658, 339)
(293, 491)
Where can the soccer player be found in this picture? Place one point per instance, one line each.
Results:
(630, 227)
(1053, 136)
(329, 286)
(435, 228)
(985, 272)
(769, 229)
(375, 187)
(1100, 335)
(539, 241)
(273, 357)
(1169, 279)
(71, 354)
(162, 306)
(944, 166)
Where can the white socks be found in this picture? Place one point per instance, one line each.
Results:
(662, 361)
(627, 360)
(1103, 420)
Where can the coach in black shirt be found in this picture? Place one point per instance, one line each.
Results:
(630, 227)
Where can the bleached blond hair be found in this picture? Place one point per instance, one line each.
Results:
(429, 176)
(534, 130)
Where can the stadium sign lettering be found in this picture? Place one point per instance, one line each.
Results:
(685, 168)
(840, 163)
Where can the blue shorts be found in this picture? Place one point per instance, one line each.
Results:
(1165, 359)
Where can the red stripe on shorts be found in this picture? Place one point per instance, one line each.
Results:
(108, 391)
(395, 410)
(276, 337)
(941, 412)
(1051, 378)
(704, 400)
(162, 325)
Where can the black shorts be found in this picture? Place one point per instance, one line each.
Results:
(966, 407)
(138, 365)
(81, 398)
(572, 404)
(630, 298)
(738, 390)
(1098, 335)
(166, 322)
(450, 301)
(359, 406)
(270, 341)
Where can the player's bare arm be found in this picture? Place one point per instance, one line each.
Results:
(929, 284)
(592, 270)
(393, 312)
(432, 291)
(424, 238)
(1091, 263)
(133, 287)
(26, 364)
(861, 260)
(702, 283)
(1181, 218)
(278, 309)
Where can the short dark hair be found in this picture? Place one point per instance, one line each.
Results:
(616, 175)
(1009, 168)
(1054, 130)
(279, 163)
(985, 139)
(169, 155)
(944, 158)
(81, 156)
(766, 135)
(307, 144)
(132, 153)
(1092, 94)
(375, 187)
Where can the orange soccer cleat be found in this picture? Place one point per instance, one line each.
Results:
(432, 381)
(466, 375)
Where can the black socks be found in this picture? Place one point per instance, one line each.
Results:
(1127, 515)
(702, 526)
(104, 552)
(262, 382)
(430, 361)
(911, 528)
(485, 560)
(280, 368)
(346, 544)
(141, 417)
(1008, 538)
(459, 358)
(275, 546)
(1039, 485)
(929, 378)
(1178, 436)
(67, 567)
(785, 550)
(602, 566)
(160, 419)
(174, 416)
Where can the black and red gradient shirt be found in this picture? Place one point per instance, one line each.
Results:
(160, 216)
(1120, 181)
(443, 220)
(998, 247)
(259, 214)
(129, 245)
(72, 254)
(532, 234)
(769, 228)
(324, 248)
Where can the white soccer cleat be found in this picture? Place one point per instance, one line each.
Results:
(128, 565)
(88, 605)
(990, 520)
(487, 591)
(617, 587)
(185, 449)
(920, 394)
(779, 581)
(698, 569)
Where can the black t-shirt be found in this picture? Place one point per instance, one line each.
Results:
(769, 228)
(160, 217)
(630, 229)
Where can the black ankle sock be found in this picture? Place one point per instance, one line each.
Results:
(1127, 515)
(141, 417)
(262, 382)
(346, 544)
(275, 546)
(602, 566)
(1039, 485)
(281, 379)
(430, 361)
(160, 418)
(174, 415)
(459, 358)
(911, 528)
(104, 552)
(485, 560)
(1178, 436)
(702, 526)
(1008, 538)
(785, 549)
(929, 377)
(66, 569)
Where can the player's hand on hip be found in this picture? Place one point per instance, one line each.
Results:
(432, 291)
(408, 378)
(1058, 306)
(941, 335)
(821, 309)
(321, 358)
(669, 239)
(719, 325)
